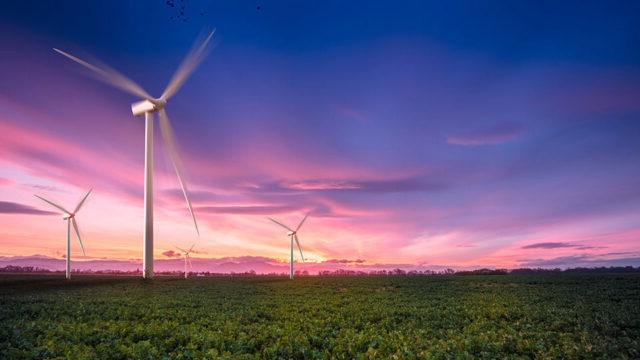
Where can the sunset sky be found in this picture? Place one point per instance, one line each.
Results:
(460, 134)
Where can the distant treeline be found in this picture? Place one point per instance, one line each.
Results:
(345, 272)
(521, 271)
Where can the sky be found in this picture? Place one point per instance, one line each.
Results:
(416, 134)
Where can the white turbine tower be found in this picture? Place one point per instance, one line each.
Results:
(187, 259)
(147, 107)
(293, 235)
(70, 217)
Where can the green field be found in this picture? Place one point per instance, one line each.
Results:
(561, 316)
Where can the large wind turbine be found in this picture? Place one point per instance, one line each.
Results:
(187, 259)
(293, 235)
(147, 107)
(70, 217)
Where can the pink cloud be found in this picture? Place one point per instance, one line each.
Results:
(6, 182)
(595, 90)
(556, 245)
(344, 261)
(7, 207)
(248, 210)
(53, 158)
(323, 185)
(171, 254)
(497, 134)
(352, 113)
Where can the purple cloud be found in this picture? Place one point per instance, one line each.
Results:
(407, 184)
(549, 245)
(344, 261)
(247, 210)
(7, 207)
(44, 187)
(5, 182)
(497, 134)
(585, 260)
(558, 245)
(171, 254)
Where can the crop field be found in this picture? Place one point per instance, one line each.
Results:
(562, 316)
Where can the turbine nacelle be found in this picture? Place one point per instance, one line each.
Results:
(68, 216)
(291, 233)
(147, 106)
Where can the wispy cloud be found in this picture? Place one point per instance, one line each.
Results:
(171, 254)
(56, 159)
(344, 261)
(585, 260)
(557, 245)
(5, 181)
(323, 185)
(7, 207)
(44, 187)
(398, 185)
(497, 134)
(352, 113)
(248, 210)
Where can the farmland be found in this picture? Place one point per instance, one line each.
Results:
(517, 316)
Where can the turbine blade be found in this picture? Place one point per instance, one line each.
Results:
(172, 149)
(53, 204)
(110, 76)
(299, 248)
(82, 201)
(188, 65)
(190, 264)
(183, 250)
(281, 224)
(191, 248)
(302, 222)
(75, 227)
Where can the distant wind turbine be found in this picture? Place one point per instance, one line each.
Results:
(293, 235)
(147, 107)
(187, 259)
(70, 217)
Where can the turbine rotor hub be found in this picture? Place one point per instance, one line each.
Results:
(147, 106)
(159, 103)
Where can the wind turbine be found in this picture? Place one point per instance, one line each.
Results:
(186, 259)
(293, 235)
(70, 217)
(147, 107)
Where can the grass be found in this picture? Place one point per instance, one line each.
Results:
(561, 316)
